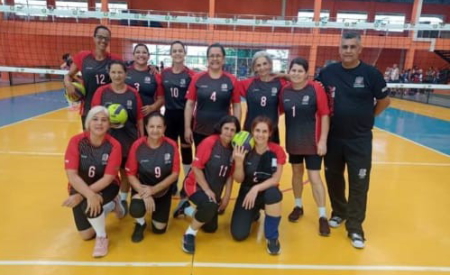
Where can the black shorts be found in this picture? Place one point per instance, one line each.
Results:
(162, 206)
(313, 162)
(175, 125)
(108, 194)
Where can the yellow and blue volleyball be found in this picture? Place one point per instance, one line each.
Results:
(80, 93)
(245, 139)
(118, 115)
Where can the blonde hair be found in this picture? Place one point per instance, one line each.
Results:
(92, 113)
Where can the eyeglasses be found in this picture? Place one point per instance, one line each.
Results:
(215, 56)
(101, 37)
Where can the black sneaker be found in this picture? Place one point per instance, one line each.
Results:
(358, 240)
(188, 244)
(138, 233)
(273, 247)
(296, 213)
(179, 210)
(335, 221)
(125, 206)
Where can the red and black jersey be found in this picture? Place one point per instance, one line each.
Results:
(147, 84)
(262, 99)
(175, 87)
(251, 162)
(93, 162)
(131, 101)
(215, 161)
(94, 74)
(153, 165)
(213, 98)
(303, 110)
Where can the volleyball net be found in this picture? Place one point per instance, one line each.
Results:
(34, 39)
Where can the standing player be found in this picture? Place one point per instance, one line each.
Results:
(120, 93)
(176, 80)
(153, 166)
(259, 173)
(211, 93)
(211, 173)
(304, 104)
(352, 86)
(142, 77)
(93, 67)
(261, 93)
(92, 162)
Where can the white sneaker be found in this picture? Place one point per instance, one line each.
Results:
(357, 240)
(335, 221)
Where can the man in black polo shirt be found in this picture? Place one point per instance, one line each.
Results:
(357, 93)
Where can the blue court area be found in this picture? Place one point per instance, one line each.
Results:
(18, 108)
(428, 131)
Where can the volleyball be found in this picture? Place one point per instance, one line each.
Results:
(80, 93)
(118, 115)
(245, 139)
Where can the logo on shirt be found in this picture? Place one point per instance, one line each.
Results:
(147, 80)
(274, 162)
(217, 156)
(224, 87)
(182, 83)
(129, 104)
(105, 159)
(167, 159)
(385, 89)
(89, 68)
(248, 163)
(274, 91)
(305, 100)
(359, 82)
(144, 161)
(204, 86)
(83, 156)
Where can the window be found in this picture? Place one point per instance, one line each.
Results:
(431, 19)
(308, 15)
(351, 17)
(384, 20)
(113, 6)
(66, 5)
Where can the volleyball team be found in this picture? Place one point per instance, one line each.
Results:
(134, 169)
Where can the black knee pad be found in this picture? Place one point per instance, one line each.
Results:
(158, 231)
(206, 211)
(209, 228)
(137, 208)
(272, 195)
(186, 155)
(238, 235)
(88, 215)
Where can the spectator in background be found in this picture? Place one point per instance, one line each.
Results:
(67, 58)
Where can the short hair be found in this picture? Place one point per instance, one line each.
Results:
(177, 42)
(152, 115)
(215, 45)
(92, 112)
(65, 56)
(261, 54)
(262, 119)
(141, 45)
(301, 62)
(224, 120)
(351, 35)
(101, 27)
(118, 62)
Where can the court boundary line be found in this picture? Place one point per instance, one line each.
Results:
(32, 117)
(229, 265)
(416, 143)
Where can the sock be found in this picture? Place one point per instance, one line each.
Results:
(99, 225)
(140, 221)
(186, 168)
(109, 207)
(189, 211)
(191, 231)
(271, 225)
(123, 196)
(322, 212)
(298, 202)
